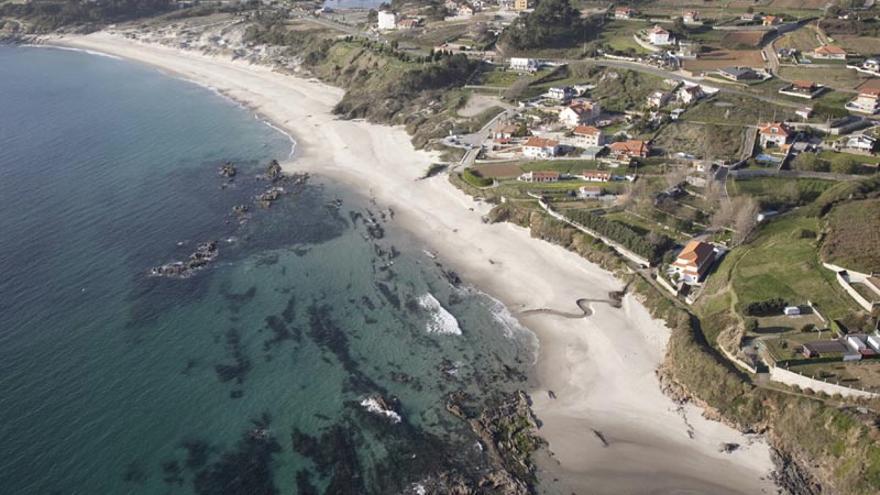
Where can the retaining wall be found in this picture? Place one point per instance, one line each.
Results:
(796, 379)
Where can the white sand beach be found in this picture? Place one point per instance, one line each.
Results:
(601, 368)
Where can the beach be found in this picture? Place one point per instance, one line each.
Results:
(601, 369)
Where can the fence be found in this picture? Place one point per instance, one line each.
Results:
(787, 377)
(846, 278)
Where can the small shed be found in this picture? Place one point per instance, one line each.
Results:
(792, 311)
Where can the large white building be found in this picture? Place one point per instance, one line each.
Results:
(580, 112)
(537, 147)
(868, 102)
(659, 36)
(387, 20)
(520, 64)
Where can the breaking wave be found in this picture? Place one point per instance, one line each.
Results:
(440, 320)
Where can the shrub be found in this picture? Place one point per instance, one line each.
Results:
(766, 308)
(474, 178)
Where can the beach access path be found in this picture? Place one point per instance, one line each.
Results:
(600, 368)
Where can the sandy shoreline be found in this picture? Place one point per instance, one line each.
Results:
(600, 368)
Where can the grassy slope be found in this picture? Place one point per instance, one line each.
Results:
(853, 240)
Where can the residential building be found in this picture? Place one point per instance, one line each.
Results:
(506, 131)
(691, 17)
(565, 93)
(856, 342)
(658, 98)
(580, 112)
(408, 23)
(537, 147)
(802, 89)
(386, 20)
(868, 101)
(690, 94)
(624, 13)
(771, 20)
(586, 136)
(804, 112)
(542, 176)
(861, 142)
(464, 10)
(791, 311)
(694, 261)
(871, 65)
(520, 64)
(659, 36)
(739, 74)
(589, 192)
(829, 52)
(595, 176)
(625, 151)
(874, 341)
(774, 134)
(687, 49)
(748, 16)
(821, 348)
(521, 5)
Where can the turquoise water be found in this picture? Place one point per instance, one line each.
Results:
(248, 376)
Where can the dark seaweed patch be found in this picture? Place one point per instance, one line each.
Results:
(388, 294)
(197, 453)
(237, 300)
(171, 473)
(289, 312)
(334, 454)
(246, 470)
(135, 473)
(304, 484)
(239, 369)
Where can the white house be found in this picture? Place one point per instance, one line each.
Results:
(829, 52)
(791, 311)
(868, 101)
(856, 342)
(562, 94)
(586, 136)
(520, 64)
(690, 94)
(537, 147)
(694, 261)
(774, 133)
(624, 13)
(580, 112)
(387, 20)
(659, 36)
(691, 17)
(861, 142)
(874, 341)
(589, 192)
(657, 99)
(545, 176)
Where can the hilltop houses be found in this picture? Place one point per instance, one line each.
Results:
(386, 20)
(868, 101)
(659, 36)
(774, 134)
(520, 64)
(587, 136)
(538, 147)
(693, 262)
(829, 52)
(580, 112)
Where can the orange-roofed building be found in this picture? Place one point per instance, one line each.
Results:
(625, 151)
(694, 261)
(774, 134)
(586, 136)
(830, 52)
(538, 147)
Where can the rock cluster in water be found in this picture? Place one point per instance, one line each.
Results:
(205, 253)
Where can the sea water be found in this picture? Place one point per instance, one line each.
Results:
(261, 373)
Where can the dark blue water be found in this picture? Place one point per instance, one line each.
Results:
(248, 376)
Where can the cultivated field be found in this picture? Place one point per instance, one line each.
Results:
(743, 38)
(833, 77)
(725, 58)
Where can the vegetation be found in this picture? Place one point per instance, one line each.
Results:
(474, 178)
(651, 246)
(765, 308)
(853, 239)
(48, 15)
(553, 24)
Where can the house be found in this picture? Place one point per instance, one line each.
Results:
(690, 94)
(696, 180)
(868, 101)
(543, 176)
(739, 74)
(521, 5)
(595, 176)
(659, 36)
(771, 20)
(625, 151)
(861, 142)
(580, 112)
(589, 192)
(464, 10)
(856, 342)
(774, 134)
(586, 136)
(386, 20)
(408, 23)
(687, 49)
(565, 93)
(523, 64)
(791, 311)
(537, 147)
(748, 17)
(691, 17)
(871, 65)
(802, 89)
(676, 114)
(821, 348)
(873, 341)
(657, 99)
(694, 261)
(624, 13)
(506, 131)
(829, 52)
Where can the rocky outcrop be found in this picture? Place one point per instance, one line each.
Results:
(273, 171)
(227, 170)
(205, 253)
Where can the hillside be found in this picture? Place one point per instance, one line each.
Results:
(853, 239)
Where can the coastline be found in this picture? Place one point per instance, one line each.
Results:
(601, 368)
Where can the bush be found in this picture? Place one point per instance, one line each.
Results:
(766, 308)
(810, 162)
(474, 178)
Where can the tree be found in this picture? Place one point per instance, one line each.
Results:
(810, 162)
(553, 24)
(842, 164)
(745, 219)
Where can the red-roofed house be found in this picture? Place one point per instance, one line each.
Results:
(586, 136)
(624, 13)
(542, 176)
(694, 261)
(537, 147)
(691, 17)
(774, 134)
(659, 36)
(595, 176)
(829, 52)
(580, 112)
(625, 151)
(771, 20)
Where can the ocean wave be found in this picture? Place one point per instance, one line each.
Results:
(72, 49)
(511, 327)
(282, 131)
(441, 320)
(372, 405)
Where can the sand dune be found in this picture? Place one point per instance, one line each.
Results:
(601, 368)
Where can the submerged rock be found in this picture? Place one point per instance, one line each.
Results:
(227, 170)
(274, 172)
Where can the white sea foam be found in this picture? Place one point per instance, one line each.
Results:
(372, 405)
(71, 49)
(441, 320)
(511, 327)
